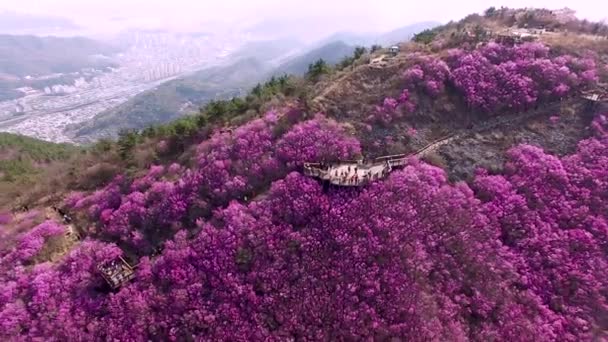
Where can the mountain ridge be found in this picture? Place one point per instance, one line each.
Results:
(162, 104)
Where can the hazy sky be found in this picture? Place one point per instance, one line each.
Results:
(356, 15)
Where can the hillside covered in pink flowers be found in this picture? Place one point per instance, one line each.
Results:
(233, 243)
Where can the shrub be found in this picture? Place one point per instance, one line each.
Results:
(317, 69)
(498, 77)
(425, 37)
(97, 175)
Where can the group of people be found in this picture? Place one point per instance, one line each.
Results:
(347, 177)
(116, 272)
(351, 176)
(64, 215)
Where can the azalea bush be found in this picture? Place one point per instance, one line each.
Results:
(516, 256)
(320, 139)
(231, 165)
(498, 77)
(429, 74)
(394, 109)
(5, 218)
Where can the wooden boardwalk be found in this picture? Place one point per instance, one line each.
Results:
(358, 173)
(348, 173)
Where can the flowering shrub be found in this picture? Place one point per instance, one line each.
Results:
(429, 74)
(394, 109)
(520, 256)
(319, 139)
(5, 218)
(174, 169)
(496, 77)
(32, 242)
(230, 166)
(548, 217)
(154, 173)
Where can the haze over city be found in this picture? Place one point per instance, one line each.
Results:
(308, 19)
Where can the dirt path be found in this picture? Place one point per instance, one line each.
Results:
(433, 147)
(71, 230)
(334, 85)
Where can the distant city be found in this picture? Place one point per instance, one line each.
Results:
(150, 58)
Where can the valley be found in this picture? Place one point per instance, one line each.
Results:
(135, 84)
(151, 59)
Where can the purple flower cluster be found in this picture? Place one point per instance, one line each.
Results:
(518, 256)
(428, 74)
(5, 218)
(236, 165)
(497, 77)
(32, 242)
(394, 109)
(256, 251)
(311, 141)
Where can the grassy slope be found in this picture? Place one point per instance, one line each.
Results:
(22, 156)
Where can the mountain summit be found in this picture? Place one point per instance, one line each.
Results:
(451, 188)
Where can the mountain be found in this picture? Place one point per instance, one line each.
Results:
(11, 22)
(349, 38)
(331, 53)
(36, 56)
(32, 61)
(267, 50)
(416, 199)
(384, 38)
(404, 33)
(174, 99)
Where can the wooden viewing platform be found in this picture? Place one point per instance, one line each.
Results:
(355, 173)
(595, 97)
(116, 272)
(359, 172)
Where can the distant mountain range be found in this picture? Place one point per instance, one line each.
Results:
(267, 51)
(331, 53)
(12, 22)
(405, 33)
(36, 56)
(386, 38)
(26, 55)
